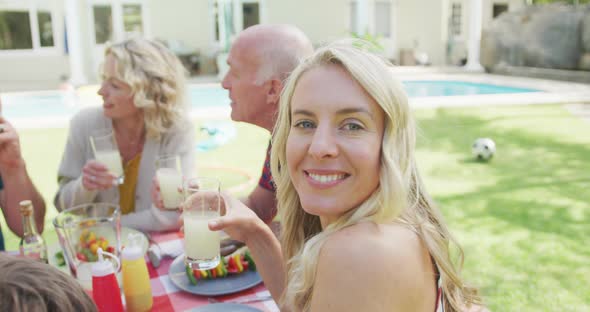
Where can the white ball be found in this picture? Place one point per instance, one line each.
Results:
(483, 148)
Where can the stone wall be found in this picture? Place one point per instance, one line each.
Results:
(553, 36)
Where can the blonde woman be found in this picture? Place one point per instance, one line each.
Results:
(142, 91)
(359, 231)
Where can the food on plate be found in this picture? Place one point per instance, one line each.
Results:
(230, 265)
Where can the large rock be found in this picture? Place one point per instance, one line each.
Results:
(501, 43)
(548, 36)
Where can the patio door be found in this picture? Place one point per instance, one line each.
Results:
(229, 17)
(113, 21)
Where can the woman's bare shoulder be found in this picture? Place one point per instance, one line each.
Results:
(390, 258)
(388, 240)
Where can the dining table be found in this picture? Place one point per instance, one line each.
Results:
(167, 297)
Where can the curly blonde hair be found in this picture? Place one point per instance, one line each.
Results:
(157, 79)
(400, 195)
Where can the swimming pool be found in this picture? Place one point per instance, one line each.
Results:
(59, 106)
(425, 88)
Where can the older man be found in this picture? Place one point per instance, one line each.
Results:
(260, 59)
(15, 184)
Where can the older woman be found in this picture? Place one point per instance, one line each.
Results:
(360, 232)
(142, 92)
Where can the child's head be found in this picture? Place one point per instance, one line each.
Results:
(29, 285)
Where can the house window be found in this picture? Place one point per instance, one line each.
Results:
(383, 19)
(45, 29)
(251, 14)
(456, 19)
(103, 23)
(499, 8)
(229, 17)
(132, 21)
(15, 30)
(227, 11)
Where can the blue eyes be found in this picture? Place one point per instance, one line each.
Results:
(306, 124)
(352, 126)
(348, 126)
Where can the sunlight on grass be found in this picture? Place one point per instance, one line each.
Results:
(523, 218)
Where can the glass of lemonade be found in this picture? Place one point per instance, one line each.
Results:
(202, 204)
(169, 173)
(106, 151)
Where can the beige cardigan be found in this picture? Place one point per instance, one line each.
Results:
(180, 140)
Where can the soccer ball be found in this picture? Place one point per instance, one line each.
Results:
(483, 148)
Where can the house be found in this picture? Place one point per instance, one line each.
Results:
(45, 41)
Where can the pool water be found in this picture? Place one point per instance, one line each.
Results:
(210, 96)
(453, 88)
(58, 104)
(44, 104)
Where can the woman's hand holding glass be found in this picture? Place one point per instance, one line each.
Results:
(237, 220)
(106, 151)
(97, 177)
(166, 190)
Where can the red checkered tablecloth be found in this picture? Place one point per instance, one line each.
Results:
(168, 297)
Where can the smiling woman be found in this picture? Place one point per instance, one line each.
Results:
(359, 231)
(352, 198)
(333, 146)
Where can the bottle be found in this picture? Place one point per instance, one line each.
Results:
(32, 244)
(136, 280)
(105, 288)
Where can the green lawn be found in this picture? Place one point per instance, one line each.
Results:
(523, 218)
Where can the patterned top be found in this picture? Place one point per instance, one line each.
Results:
(1, 236)
(439, 297)
(266, 181)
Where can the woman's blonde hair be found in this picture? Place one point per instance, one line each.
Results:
(157, 79)
(400, 195)
(29, 285)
